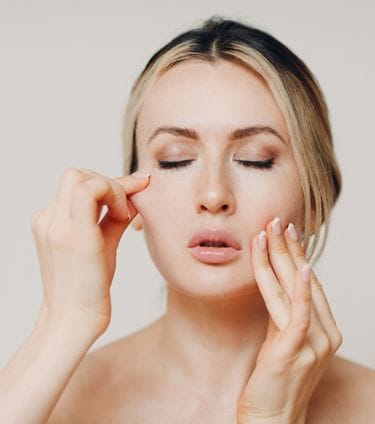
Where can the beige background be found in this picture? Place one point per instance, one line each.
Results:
(65, 74)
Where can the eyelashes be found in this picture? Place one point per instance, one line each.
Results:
(265, 164)
(172, 165)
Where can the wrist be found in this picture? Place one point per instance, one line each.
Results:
(76, 326)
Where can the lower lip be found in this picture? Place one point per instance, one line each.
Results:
(214, 255)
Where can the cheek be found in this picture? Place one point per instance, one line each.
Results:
(262, 202)
(159, 205)
(257, 201)
(161, 202)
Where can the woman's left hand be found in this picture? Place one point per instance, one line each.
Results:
(302, 335)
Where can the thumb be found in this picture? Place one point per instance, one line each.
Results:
(113, 230)
(134, 182)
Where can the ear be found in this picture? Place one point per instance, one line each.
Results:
(137, 222)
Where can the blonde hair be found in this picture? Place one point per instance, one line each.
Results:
(295, 90)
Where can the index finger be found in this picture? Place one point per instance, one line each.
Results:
(134, 182)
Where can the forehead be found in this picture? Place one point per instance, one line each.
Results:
(210, 98)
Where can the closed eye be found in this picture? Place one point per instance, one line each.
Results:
(171, 165)
(258, 164)
(264, 164)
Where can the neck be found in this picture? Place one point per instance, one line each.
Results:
(213, 344)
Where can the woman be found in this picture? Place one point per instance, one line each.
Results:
(230, 131)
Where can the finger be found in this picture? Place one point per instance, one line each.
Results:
(130, 183)
(118, 208)
(113, 229)
(88, 198)
(134, 182)
(62, 201)
(322, 307)
(285, 269)
(280, 258)
(138, 181)
(293, 338)
(275, 297)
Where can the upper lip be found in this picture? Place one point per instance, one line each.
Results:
(214, 235)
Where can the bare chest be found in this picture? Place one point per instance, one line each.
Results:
(134, 409)
(138, 409)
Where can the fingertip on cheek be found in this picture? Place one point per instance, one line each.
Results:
(292, 232)
(262, 240)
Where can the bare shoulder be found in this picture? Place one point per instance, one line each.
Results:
(120, 382)
(107, 379)
(82, 389)
(344, 394)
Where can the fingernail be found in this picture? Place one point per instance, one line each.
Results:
(262, 242)
(276, 226)
(142, 175)
(129, 216)
(306, 273)
(292, 232)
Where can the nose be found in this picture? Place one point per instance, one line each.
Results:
(214, 193)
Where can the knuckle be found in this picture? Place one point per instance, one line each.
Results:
(307, 297)
(308, 357)
(37, 221)
(70, 172)
(280, 294)
(302, 322)
(57, 236)
(303, 326)
(324, 345)
(337, 340)
(300, 255)
(280, 248)
(35, 217)
(88, 171)
(263, 264)
(81, 191)
(97, 184)
(119, 194)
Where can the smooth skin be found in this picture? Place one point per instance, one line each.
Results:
(77, 256)
(77, 253)
(302, 334)
(214, 355)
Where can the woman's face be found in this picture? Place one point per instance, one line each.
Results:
(214, 190)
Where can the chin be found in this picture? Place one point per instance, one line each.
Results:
(211, 284)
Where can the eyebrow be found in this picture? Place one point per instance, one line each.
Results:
(234, 135)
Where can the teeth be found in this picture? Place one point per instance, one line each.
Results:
(214, 244)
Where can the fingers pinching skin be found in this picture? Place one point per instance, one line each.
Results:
(320, 301)
(139, 180)
(77, 254)
(103, 191)
(131, 182)
(113, 229)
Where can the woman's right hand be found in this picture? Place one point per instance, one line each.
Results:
(77, 254)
